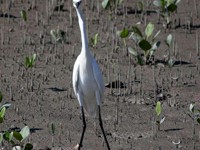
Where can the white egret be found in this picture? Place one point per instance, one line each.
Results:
(87, 79)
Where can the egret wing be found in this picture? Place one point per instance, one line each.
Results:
(98, 77)
(75, 77)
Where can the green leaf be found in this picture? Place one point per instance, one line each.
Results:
(1, 137)
(10, 136)
(137, 31)
(96, 38)
(33, 58)
(17, 136)
(191, 108)
(169, 40)
(172, 7)
(6, 135)
(105, 4)
(132, 51)
(27, 62)
(157, 3)
(144, 45)
(1, 96)
(163, 3)
(149, 30)
(53, 128)
(25, 131)
(28, 146)
(23, 15)
(198, 120)
(158, 108)
(2, 112)
(124, 33)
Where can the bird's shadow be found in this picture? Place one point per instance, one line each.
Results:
(55, 89)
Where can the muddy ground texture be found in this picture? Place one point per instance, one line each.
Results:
(43, 95)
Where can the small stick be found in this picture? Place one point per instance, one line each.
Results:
(197, 43)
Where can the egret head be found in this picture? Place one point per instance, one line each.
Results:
(76, 3)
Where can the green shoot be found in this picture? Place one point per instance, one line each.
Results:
(195, 116)
(158, 108)
(158, 112)
(110, 3)
(168, 42)
(94, 40)
(143, 41)
(58, 35)
(165, 9)
(3, 108)
(23, 15)
(195, 113)
(30, 61)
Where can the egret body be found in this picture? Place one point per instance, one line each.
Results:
(87, 79)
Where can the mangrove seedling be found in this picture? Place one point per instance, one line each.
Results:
(195, 116)
(23, 15)
(13, 137)
(145, 42)
(3, 108)
(165, 9)
(158, 112)
(168, 42)
(111, 4)
(94, 40)
(16, 138)
(58, 35)
(30, 61)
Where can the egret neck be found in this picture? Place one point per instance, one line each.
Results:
(83, 31)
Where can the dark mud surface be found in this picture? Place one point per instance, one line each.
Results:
(43, 95)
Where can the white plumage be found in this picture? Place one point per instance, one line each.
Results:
(87, 79)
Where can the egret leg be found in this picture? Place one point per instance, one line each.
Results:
(101, 125)
(84, 127)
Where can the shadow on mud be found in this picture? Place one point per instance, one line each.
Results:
(173, 129)
(55, 89)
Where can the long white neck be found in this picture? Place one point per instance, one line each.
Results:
(83, 31)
